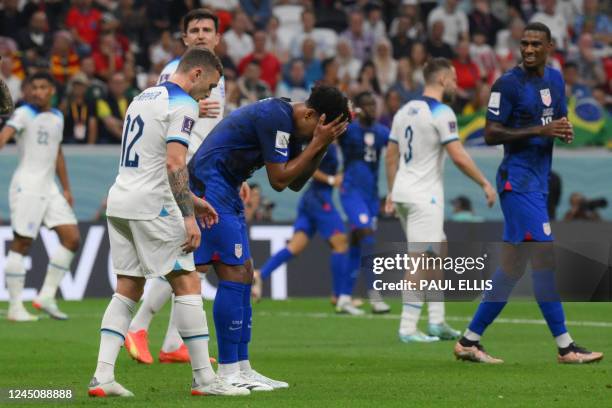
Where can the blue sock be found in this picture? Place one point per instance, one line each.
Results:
(228, 314)
(367, 250)
(352, 269)
(493, 301)
(549, 301)
(338, 265)
(277, 260)
(245, 338)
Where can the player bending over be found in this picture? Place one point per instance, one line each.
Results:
(422, 131)
(316, 213)
(526, 113)
(361, 148)
(35, 199)
(266, 133)
(151, 221)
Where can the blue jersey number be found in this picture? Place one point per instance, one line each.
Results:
(133, 131)
(408, 135)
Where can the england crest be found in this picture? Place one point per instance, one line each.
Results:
(546, 98)
(238, 250)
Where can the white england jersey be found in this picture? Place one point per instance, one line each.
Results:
(38, 136)
(159, 115)
(203, 126)
(421, 128)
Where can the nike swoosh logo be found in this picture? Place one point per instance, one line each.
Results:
(495, 112)
(234, 328)
(282, 153)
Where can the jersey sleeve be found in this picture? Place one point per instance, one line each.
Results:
(384, 135)
(501, 100)
(19, 119)
(445, 122)
(396, 129)
(182, 116)
(273, 128)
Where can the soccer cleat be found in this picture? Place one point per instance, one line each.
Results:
(239, 380)
(443, 331)
(180, 355)
(418, 337)
(475, 353)
(345, 305)
(217, 387)
(257, 286)
(253, 375)
(380, 307)
(18, 313)
(574, 354)
(137, 345)
(110, 389)
(49, 306)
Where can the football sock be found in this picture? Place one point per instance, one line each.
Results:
(191, 324)
(549, 301)
(493, 301)
(469, 338)
(274, 262)
(245, 366)
(247, 313)
(411, 312)
(367, 250)
(228, 313)
(115, 323)
(352, 269)
(564, 340)
(14, 274)
(337, 262)
(173, 341)
(158, 294)
(59, 264)
(436, 312)
(227, 370)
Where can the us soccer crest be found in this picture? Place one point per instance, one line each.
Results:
(238, 250)
(368, 139)
(545, 95)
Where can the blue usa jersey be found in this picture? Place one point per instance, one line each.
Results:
(519, 100)
(239, 145)
(361, 147)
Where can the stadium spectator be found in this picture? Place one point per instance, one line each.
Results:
(239, 42)
(324, 39)
(590, 65)
(132, 19)
(35, 39)
(594, 21)
(294, 86)
(454, 21)
(581, 209)
(330, 74)
(573, 82)
(276, 43)
(111, 109)
(260, 11)
(108, 57)
(478, 102)
(64, 59)
(401, 41)
(374, 24)
(405, 84)
(160, 52)
(158, 17)
(468, 73)
(386, 66)
(330, 14)
(367, 80)
(12, 81)
(97, 88)
(361, 42)
(80, 123)
(314, 70)
(269, 64)
(348, 66)
(435, 45)
(393, 103)
(229, 69)
(553, 18)
(11, 20)
(483, 20)
(251, 87)
(463, 211)
(418, 58)
(84, 22)
(483, 55)
(508, 43)
(410, 10)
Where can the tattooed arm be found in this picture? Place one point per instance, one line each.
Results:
(6, 101)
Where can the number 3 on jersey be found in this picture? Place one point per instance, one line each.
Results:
(408, 135)
(131, 134)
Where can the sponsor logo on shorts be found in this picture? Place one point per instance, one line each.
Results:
(546, 228)
(238, 250)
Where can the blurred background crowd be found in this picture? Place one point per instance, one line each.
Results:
(103, 52)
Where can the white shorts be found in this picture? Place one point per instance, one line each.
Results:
(30, 210)
(149, 248)
(423, 224)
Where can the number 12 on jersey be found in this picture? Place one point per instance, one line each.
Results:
(131, 134)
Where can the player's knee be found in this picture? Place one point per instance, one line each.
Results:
(72, 240)
(543, 257)
(21, 244)
(339, 243)
(130, 286)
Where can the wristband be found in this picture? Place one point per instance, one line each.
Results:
(331, 180)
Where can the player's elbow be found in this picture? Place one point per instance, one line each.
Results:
(490, 137)
(278, 185)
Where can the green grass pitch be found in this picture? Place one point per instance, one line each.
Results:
(329, 360)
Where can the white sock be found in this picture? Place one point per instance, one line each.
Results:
(59, 264)
(114, 326)
(227, 370)
(436, 312)
(191, 324)
(411, 311)
(564, 340)
(14, 274)
(470, 335)
(245, 366)
(172, 341)
(158, 294)
(374, 296)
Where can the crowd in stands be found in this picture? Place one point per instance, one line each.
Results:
(103, 52)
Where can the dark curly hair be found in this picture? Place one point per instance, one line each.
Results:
(328, 100)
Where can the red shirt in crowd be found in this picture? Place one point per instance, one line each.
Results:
(102, 62)
(468, 74)
(270, 68)
(86, 24)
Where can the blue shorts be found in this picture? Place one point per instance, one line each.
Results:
(361, 210)
(316, 213)
(525, 217)
(226, 242)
